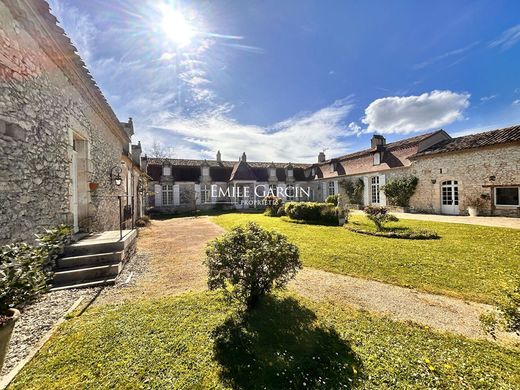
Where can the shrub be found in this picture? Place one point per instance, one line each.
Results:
(249, 261)
(332, 199)
(22, 275)
(399, 191)
(325, 213)
(421, 234)
(354, 190)
(273, 204)
(380, 216)
(53, 242)
(478, 202)
(142, 221)
(508, 317)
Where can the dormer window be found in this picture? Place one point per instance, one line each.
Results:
(167, 170)
(205, 171)
(272, 172)
(289, 172)
(377, 158)
(313, 172)
(333, 166)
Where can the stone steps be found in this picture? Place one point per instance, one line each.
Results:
(94, 260)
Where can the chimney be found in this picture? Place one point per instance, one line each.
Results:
(377, 141)
(321, 157)
(219, 157)
(244, 158)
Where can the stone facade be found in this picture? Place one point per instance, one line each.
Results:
(476, 171)
(56, 132)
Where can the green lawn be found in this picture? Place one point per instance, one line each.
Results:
(468, 261)
(196, 341)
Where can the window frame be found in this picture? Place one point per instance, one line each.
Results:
(165, 167)
(378, 156)
(291, 196)
(331, 185)
(167, 194)
(204, 195)
(506, 205)
(375, 190)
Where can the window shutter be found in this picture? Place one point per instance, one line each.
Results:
(336, 192)
(382, 196)
(366, 191)
(325, 190)
(158, 195)
(197, 193)
(176, 200)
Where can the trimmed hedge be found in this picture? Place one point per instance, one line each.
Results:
(325, 213)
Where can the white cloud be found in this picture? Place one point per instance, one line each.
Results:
(408, 114)
(297, 139)
(484, 99)
(451, 53)
(516, 102)
(508, 39)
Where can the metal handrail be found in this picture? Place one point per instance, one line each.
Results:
(123, 217)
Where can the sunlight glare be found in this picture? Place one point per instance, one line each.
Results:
(176, 27)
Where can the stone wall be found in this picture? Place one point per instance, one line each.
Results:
(471, 169)
(41, 111)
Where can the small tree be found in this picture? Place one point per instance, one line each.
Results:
(333, 199)
(399, 191)
(380, 216)
(353, 190)
(249, 261)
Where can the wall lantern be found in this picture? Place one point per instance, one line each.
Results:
(115, 175)
(433, 181)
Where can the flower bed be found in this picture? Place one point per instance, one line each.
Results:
(422, 234)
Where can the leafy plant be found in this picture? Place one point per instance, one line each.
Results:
(353, 189)
(475, 201)
(53, 242)
(332, 199)
(380, 216)
(325, 213)
(249, 261)
(508, 317)
(22, 275)
(142, 221)
(399, 191)
(273, 204)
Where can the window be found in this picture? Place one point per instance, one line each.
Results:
(272, 190)
(205, 171)
(167, 194)
(290, 192)
(507, 196)
(375, 189)
(167, 171)
(289, 173)
(272, 172)
(377, 158)
(450, 193)
(332, 188)
(333, 167)
(204, 195)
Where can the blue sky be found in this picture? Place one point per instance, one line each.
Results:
(283, 80)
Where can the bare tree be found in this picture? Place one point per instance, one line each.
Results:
(161, 152)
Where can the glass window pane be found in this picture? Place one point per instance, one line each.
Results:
(507, 196)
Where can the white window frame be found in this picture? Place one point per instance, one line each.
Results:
(375, 196)
(205, 171)
(331, 188)
(167, 194)
(377, 158)
(204, 194)
(167, 170)
(290, 173)
(506, 205)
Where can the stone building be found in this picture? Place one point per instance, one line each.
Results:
(449, 170)
(65, 157)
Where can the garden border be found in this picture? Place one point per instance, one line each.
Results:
(402, 236)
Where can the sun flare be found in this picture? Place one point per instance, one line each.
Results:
(176, 27)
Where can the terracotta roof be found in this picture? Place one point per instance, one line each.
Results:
(488, 138)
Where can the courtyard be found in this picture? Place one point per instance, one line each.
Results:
(361, 313)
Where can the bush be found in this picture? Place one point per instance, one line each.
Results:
(325, 213)
(380, 216)
(478, 202)
(273, 204)
(22, 275)
(249, 261)
(53, 242)
(332, 199)
(508, 317)
(354, 190)
(399, 191)
(422, 234)
(142, 221)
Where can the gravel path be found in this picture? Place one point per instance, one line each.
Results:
(404, 304)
